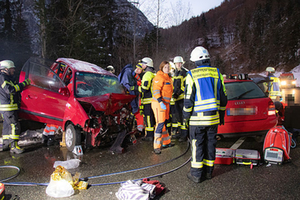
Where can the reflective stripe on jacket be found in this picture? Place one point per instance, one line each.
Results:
(162, 87)
(274, 89)
(9, 93)
(146, 87)
(205, 95)
(179, 83)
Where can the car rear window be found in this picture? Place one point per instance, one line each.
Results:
(243, 90)
(92, 84)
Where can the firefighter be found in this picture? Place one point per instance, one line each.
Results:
(172, 124)
(48, 137)
(160, 104)
(178, 95)
(204, 108)
(273, 86)
(9, 100)
(111, 69)
(129, 79)
(146, 97)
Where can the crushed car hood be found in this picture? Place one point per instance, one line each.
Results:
(108, 103)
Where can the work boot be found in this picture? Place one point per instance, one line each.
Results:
(193, 178)
(14, 148)
(208, 176)
(5, 144)
(157, 151)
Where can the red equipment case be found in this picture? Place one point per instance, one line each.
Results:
(224, 156)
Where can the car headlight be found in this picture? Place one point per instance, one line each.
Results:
(283, 82)
(294, 82)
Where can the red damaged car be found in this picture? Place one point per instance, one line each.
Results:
(85, 100)
(249, 110)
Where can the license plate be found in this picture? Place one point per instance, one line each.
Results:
(240, 111)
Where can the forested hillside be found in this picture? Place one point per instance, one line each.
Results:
(101, 32)
(242, 35)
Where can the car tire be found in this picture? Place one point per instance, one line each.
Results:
(72, 137)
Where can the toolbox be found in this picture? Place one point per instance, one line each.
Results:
(224, 156)
(247, 157)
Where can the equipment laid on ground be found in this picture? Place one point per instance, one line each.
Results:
(247, 157)
(277, 145)
(224, 156)
(227, 156)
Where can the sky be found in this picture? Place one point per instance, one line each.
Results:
(173, 12)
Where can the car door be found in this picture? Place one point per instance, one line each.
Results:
(42, 101)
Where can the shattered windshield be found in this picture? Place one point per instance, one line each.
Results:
(91, 84)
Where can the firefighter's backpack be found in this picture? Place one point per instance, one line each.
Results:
(277, 145)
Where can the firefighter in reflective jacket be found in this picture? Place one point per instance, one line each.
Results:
(162, 94)
(273, 86)
(178, 95)
(204, 108)
(130, 79)
(9, 105)
(145, 107)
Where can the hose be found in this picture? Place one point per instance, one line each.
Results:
(161, 174)
(103, 175)
(13, 176)
(132, 170)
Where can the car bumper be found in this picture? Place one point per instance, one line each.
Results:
(248, 128)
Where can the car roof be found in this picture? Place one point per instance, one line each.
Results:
(83, 66)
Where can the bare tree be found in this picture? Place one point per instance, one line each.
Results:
(180, 12)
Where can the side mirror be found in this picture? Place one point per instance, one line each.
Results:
(64, 91)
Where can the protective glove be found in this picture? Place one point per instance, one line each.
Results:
(132, 88)
(163, 106)
(185, 123)
(26, 82)
(142, 109)
(175, 96)
(222, 115)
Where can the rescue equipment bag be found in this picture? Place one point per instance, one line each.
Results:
(277, 145)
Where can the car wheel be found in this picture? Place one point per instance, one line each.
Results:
(72, 137)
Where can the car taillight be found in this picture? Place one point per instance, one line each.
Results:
(271, 108)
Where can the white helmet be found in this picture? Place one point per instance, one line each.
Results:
(270, 69)
(199, 53)
(110, 68)
(147, 61)
(178, 59)
(7, 64)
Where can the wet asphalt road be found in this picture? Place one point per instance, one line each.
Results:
(228, 182)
